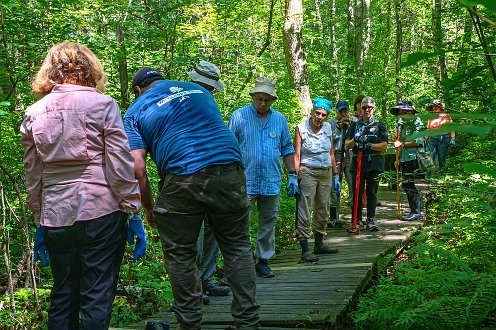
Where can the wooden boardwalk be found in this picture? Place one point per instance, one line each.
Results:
(317, 296)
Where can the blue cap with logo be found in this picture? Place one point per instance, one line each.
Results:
(342, 105)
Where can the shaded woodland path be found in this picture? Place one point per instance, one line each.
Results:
(317, 296)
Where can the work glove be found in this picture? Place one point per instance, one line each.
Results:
(135, 228)
(292, 185)
(40, 251)
(452, 142)
(336, 185)
(359, 137)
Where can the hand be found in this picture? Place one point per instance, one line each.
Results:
(40, 251)
(452, 142)
(367, 145)
(135, 228)
(359, 137)
(344, 123)
(150, 218)
(397, 144)
(292, 186)
(336, 185)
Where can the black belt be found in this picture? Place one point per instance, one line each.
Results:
(316, 168)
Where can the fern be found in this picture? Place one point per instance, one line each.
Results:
(483, 301)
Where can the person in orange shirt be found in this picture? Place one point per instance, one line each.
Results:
(439, 144)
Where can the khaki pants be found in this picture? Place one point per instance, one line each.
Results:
(315, 187)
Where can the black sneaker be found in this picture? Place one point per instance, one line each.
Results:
(214, 290)
(371, 225)
(263, 270)
(324, 249)
(309, 257)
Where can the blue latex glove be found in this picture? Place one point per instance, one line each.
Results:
(292, 185)
(135, 228)
(40, 251)
(336, 185)
(452, 142)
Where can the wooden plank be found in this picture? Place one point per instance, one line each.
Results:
(316, 295)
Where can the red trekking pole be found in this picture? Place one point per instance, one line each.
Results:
(353, 228)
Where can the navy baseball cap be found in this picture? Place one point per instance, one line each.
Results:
(145, 76)
(342, 105)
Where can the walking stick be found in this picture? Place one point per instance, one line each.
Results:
(341, 166)
(354, 228)
(397, 163)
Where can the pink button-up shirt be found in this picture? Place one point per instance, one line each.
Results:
(77, 157)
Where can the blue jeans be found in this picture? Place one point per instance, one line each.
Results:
(216, 193)
(268, 211)
(439, 147)
(85, 259)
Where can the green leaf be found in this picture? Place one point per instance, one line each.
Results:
(5, 104)
(488, 4)
(414, 58)
(478, 168)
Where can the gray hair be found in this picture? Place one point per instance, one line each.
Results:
(367, 99)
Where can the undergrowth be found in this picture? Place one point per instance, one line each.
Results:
(446, 279)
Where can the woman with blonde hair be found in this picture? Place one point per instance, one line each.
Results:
(80, 181)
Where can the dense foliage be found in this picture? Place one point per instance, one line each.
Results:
(351, 46)
(445, 278)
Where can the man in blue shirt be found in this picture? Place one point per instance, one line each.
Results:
(199, 164)
(264, 138)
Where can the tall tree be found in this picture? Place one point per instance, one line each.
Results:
(294, 52)
(399, 48)
(122, 59)
(359, 43)
(438, 45)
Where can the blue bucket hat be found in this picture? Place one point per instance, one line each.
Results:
(321, 103)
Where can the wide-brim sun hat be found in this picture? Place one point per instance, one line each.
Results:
(402, 105)
(265, 85)
(207, 73)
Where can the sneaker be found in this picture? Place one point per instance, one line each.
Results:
(371, 225)
(309, 257)
(205, 299)
(412, 217)
(324, 249)
(214, 290)
(263, 270)
(223, 281)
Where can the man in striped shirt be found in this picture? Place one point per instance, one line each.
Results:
(264, 137)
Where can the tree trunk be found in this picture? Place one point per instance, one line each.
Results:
(334, 72)
(359, 43)
(466, 38)
(366, 44)
(294, 52)
(122, 58)
(351, 29)
(385, 63)
(441, 73)
(399, 50)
